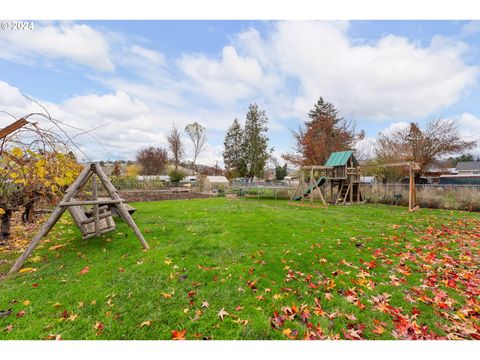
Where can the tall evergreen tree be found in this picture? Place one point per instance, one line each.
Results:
(232, 154)
(255, 142)
(280, 172)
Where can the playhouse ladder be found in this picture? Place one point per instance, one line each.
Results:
(342, 194)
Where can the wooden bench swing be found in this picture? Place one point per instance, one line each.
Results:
(93, 217)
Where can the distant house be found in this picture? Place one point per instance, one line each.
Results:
(468, 168)
(212, 183)
(434, 171)
(165, 178)
(291, 180)
(368, 179)
(189, 179)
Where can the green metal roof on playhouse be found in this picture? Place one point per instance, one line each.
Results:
(340, 158)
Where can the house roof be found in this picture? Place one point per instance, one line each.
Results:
(339, 158)
(468, 165)
(217, 179)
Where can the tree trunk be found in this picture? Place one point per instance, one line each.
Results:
(28, 214)
(5, 220)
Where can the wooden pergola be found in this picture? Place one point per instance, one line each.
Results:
(412, 167)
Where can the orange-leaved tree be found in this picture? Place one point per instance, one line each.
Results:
(325, 132)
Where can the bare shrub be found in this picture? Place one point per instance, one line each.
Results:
(455, 198)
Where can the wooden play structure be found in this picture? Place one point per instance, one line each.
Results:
(341, 173)
(340, 179)
(92, 216)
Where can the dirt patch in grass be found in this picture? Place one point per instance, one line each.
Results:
(158, 195)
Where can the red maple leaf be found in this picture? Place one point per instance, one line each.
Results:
(179, 335)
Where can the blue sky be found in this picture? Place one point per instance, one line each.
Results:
(138, 78)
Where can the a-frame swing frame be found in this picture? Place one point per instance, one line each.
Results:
(412, 189)
(91, 170)
(311, 182)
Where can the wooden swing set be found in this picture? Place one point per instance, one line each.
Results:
(342, 172)
(308, 188)
(92, 221)
(412, 168)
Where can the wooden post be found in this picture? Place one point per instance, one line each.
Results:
(331, 190)
(54, 217)
(303, 185)
(312, 182)
(351, 188)
(358, 184)
(320, 195)
(412, 199)
(120, 208)
(410, 192)
(295, 192)
(95, 207)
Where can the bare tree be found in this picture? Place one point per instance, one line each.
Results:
(152, 160)
(176, 146)
(117, 169)
(197, 134)
(439, 138)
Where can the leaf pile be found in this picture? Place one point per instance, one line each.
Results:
(443, 263)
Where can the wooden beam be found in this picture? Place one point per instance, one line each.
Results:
(317, 167)
(100, 217)
(414, 165)
(119, 205)
(89, 202)
(12, 127)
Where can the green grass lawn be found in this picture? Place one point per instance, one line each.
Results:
(279, 271)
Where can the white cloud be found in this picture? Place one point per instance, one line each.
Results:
(124, 123)
(469, 127)
(152, 56)
(365, 148)
(393, 78)
(11, 95)
(71, 42)
(229, 79)
(393, 127)
(471, 27)
(118, 106)
(284, 71)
